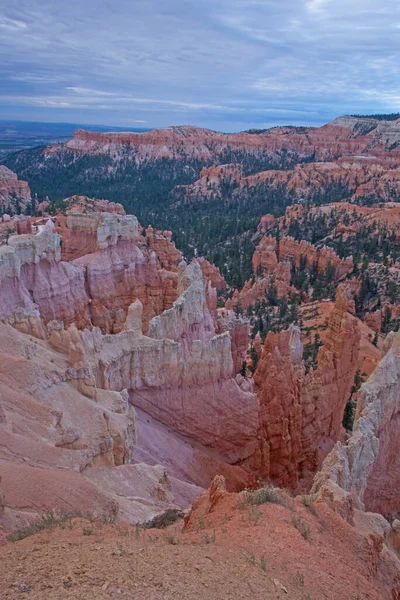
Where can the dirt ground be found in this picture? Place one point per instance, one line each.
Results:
(261, 552)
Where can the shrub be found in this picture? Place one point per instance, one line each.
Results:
(308, 502)
(263, 495)
(168, 517)
(49, 520)
(302, 527)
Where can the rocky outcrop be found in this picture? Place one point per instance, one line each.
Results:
(84, 204)
(239, 330)
(67, 425)
(301, 413)
(181, 373)
(366, 470)
(268, 252)
(160, 242)
(214, 182)
(212, 273)
(33, 278)
(15, 195)
(105, 268)
(374, 320)
(62, 450)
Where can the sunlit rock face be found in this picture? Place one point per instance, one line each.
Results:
(368, 466)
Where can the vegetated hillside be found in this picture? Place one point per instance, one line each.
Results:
(219, 229)
(156, 176)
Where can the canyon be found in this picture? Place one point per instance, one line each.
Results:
(139, 381)
(116, 332)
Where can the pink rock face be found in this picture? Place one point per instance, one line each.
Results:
(118, 276)
(54, 439)
(32, 277)
(66, 401)
(15, 195)
(96, 288)
(301, 415)
(181, 373)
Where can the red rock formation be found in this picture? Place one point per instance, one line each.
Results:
(24, 225)
(343, 137)
(83, 204)
(277, 376)
(161, 243)
(239, 330)
(15, 195)
(292, 252)
(374, 320)
(209, 185)
(212, 273)
(301, 414)
(265, 255)
(265, 224)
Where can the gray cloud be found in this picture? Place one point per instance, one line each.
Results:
(229, 64)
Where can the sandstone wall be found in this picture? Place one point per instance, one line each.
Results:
(367, 467)
(301, 414)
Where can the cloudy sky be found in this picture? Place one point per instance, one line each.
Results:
(224, 64)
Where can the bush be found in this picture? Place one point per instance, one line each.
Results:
(302, 527)
(308, 502)
(168, 517)
(49, 520)
(264, 495)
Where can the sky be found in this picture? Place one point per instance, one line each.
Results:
(228, 65)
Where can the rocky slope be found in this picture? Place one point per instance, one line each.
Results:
(122, 322)
(227, 548)
(15, 195)
(78, 384)
(118, 402)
